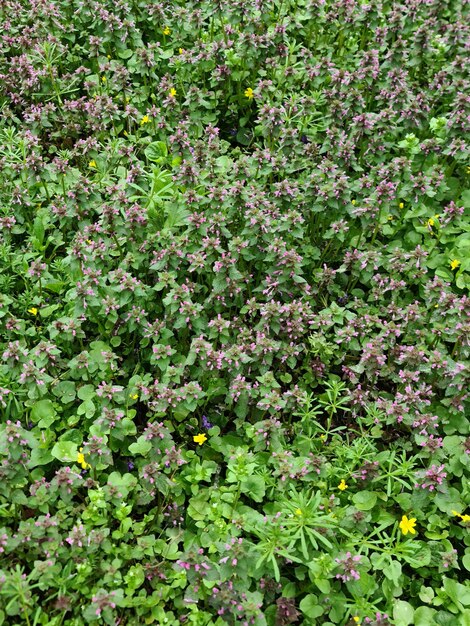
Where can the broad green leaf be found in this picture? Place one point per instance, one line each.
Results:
(403, 613)
(365, 500)
(65, 451)
(310, 607)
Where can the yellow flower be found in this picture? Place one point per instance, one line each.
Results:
(408, 525)
(342, 485)
(401, 205)
(33, 310)
(172, 92)
(464, 518)
(249, 93)
(133, 396)
(92, 163)
(103, 79)
(390, 218)
(298, 511)
(144, 120)
(454, 264)
(166, 30)
(181, 50)
(200, 439)
(109, 56)
(357, 619)
(81, 460)
(353, 202)
(430, 222)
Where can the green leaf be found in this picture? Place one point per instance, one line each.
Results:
(38, 230)
(156, 151)
(141, 446)
(419, 554)
(86, 408)
(65, 390)
(43, 411)
(39, 456)
(424, 616)
(255, 487)
(241, 407)
(65, 451)
(198, 508)
(87, 392)
(310, 607)
(323, 584)
(55, 287)
(365, 500)
(459, 594)
(135, 577)
(123, 484)
(393, 571)
(48, 310)
(426, 594)
(403, 613)
(466, 561)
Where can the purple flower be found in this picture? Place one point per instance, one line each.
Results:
(205, 423)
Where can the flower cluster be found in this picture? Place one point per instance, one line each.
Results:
(234, 312)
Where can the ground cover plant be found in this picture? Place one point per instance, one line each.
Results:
(235, 255)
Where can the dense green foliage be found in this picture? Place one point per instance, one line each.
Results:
(234, 271)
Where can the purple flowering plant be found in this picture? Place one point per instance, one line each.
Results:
(234, 313)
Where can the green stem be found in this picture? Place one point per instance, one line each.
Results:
(64, 191)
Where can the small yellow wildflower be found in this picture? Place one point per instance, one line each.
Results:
(172, 92)
(454, 264)
(103, 79)
(109, 56)
(401, 205)
(200, 439)
(342, 485)
(353, 202)
(431, 222)
(166, 30)
(181, 50)
(357, 619)
(464, 518)
(33, 310)
(390, 218)
(81, 460)
(298, 511)
(133, 396)
(408, 525)
(92, 163)
(144, 120)
(249, 93)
